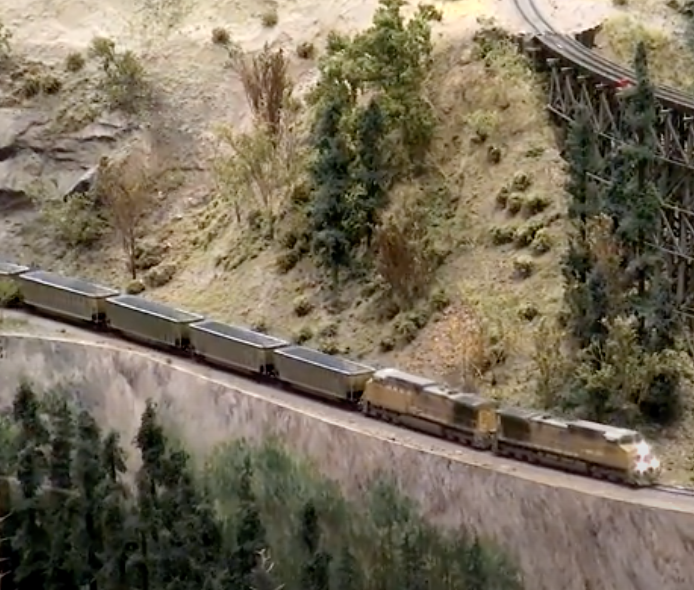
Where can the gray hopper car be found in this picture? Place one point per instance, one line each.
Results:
(9, 270)
(233, 347)
(150, 321)
(322, 374)
(63, 296)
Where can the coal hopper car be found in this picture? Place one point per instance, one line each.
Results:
(235, 348)
(150, 322)
(321, 374)
(65, 297)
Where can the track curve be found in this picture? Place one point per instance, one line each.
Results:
(575, 52)
(672, 498)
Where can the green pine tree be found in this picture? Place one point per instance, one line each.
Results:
(586, 305)
(250, 535)
(371, 165)
(330, 212)
(633, 202)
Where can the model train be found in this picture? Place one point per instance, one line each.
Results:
(595, 450)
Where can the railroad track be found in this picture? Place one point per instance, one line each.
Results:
(575, 52)
(677, 490)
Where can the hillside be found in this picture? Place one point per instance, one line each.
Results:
(474, 325)
(488, 211)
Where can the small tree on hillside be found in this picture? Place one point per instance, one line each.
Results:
(267, 84)
(405, 259)
(126, 189)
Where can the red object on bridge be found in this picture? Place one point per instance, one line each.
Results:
(623, 83)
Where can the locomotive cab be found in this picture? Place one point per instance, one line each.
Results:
(644, 466)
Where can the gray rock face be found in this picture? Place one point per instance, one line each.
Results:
(30, 150)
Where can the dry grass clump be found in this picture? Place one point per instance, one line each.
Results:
(670, 60)
(220, 36)
(269, 18)
(74, 62)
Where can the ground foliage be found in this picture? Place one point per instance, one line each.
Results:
(255, 520)
(627, 365)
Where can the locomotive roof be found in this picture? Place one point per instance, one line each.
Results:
(472, 400)
(398, 375)
(609, 433)
(321, 359)
(69, 284)
(241, 334)
(522, 413)
(156, 309)
(9, 268)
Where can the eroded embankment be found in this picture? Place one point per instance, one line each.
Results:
(559, 537)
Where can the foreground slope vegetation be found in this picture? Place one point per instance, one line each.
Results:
(256, 519)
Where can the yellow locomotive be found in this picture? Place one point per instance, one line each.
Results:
(589, 448)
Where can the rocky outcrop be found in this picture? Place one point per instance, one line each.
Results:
(562, 538)
(30, 149)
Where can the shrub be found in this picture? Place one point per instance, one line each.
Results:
(74, 62)
(305, 50)
(10, 295)
(124, 82)
(303, 335)
(287, 261)
(493, 154)
(528, 312)
(534, 204)
(135, 287)
(220, 36)
(302, 307)
(521, 182)
(5, 43)
(525, 234)
(542, 242)
(502, 197)
(160, 275)
(269, 18)
(501, 235)
(514, 204)
(523, 267)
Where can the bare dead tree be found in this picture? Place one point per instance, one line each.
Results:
(126, 188)
(267, 84)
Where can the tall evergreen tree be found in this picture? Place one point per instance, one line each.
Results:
(316, 570)
(89, 477)
(31, 540)
(633, 202)
(330, 213)
(115, 519)
(371, 166)
(250, 536)
(584, 297)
